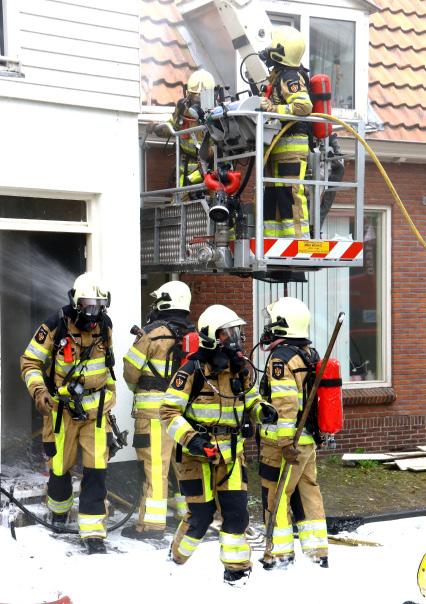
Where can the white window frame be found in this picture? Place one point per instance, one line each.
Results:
(10, 63)
(385, 284)
(359, 17)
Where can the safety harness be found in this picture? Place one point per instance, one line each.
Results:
(243, 426)
(62, 331)
(178, 329)
(286, 352)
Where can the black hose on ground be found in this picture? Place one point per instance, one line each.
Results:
(70, 531)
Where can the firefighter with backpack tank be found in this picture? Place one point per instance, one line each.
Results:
(68, 370)
(289, 374)
(286, 212)
(204, 411)
(148, 367)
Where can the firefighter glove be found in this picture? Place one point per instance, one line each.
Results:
(200, 445)
(267, 105)
(43, 401)
(268, 414)
(290, 454)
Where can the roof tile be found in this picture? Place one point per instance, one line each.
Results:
(397, 71)
(166, 60)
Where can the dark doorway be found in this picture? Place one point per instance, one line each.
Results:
(36, 272)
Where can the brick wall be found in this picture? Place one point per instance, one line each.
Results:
(397, 421)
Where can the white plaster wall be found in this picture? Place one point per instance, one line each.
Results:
(62, 151)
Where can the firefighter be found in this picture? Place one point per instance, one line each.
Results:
(68, 370)
(289, 374)
(148, 366)
(188, 114)
(204, 411)
(286, 206)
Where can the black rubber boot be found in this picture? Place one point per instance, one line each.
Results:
(59, 519)
(95, 545)
(236, 577)
(322, 561)
(277, 563)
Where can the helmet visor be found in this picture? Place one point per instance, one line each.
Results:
(91, 307)
(231, 337)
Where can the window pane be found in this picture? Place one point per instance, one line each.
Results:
(355, 291)
(33, 208)
(365, 306)
(332, 51)
(1, 29)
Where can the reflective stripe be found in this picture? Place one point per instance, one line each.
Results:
(60, 507)
(148, 400)
(34, 376)
(225, 448)
(91, 526)
(229, 539)
(35, 351)
(58, 458)
(155, 510)
(233, 548)
(313, 534)
(188, 545)
(100, 445)
(91, 401)
(207, 473)
(234, 481)
(156, 461)
(135, 357)
(178, 427)
(181, 507)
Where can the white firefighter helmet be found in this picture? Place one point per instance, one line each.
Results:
(294, 312)
(288, 46)
(173, 295)
(200, 80)
(217, 317)
(89, 294)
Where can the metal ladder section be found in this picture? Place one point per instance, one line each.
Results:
(178, 236)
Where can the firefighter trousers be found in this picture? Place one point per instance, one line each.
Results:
(301, 498)
(154, 449)
(286, 211)
(93, 437)
(199, 482)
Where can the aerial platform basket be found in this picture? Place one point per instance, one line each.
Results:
(178, 235)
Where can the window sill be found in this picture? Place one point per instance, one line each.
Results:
(10, 68)
(369, 396)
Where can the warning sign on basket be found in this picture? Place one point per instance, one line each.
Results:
(313, 247)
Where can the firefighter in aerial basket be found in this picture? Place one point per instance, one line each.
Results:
(289, 375)
(150, 363)
(286, 212)
(205, 410)
(188, 114)
(68, 370)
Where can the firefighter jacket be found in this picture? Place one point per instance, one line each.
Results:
(43, 365)
(290, 95)
(185, 415)
(287, 375)
(151, 362)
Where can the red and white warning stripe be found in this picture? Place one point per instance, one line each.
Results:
(310, 248)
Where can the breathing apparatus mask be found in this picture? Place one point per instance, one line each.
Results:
(272, 330)
(265, 56)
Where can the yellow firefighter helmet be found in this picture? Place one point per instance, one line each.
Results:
(288, 46)
(213, 319)
(200, 80)
(421, 576)
(294, 312)
(173, 295)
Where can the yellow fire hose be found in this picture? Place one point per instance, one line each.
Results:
(371, 153)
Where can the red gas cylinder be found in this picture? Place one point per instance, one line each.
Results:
(320, 94)
(329, 394)
(190, 344)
